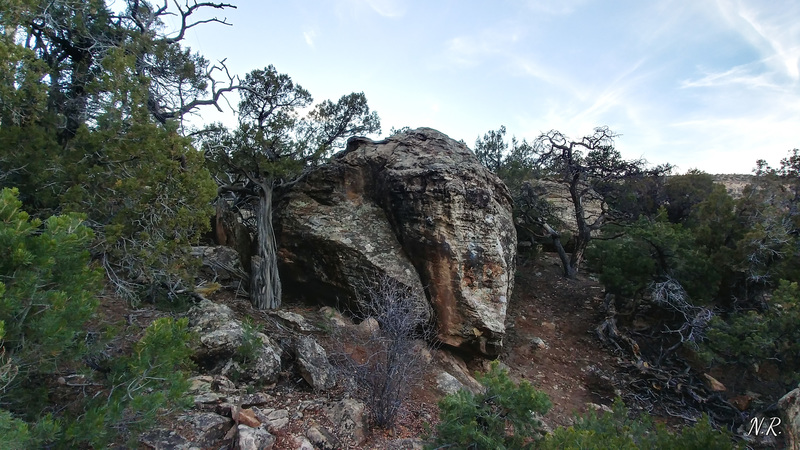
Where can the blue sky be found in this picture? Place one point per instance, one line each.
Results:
(702, 84)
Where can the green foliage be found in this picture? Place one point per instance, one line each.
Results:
(151, 382)
(47, 292)
(149, 195)
(618, 431)
(751, 337)
(248, 350)
(483, 421)
(683, 192)
(654, 251)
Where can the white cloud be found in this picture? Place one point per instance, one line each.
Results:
(555, 7)
(386, 8)
(771, 27)
(309, 37)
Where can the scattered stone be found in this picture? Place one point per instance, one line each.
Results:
(406, 444)
(549, 326)
(312, 362)
(221, 335)
(257, 399)
(295, 319)
(348, 418)
(273, 419)
(208, 428)
(246, 416)
(539, 343)
(161, 439)
(713, 384)
(448, 384)
(303, 443)
(596, 407)
(254, 439)
(368, 326)
(322, 438)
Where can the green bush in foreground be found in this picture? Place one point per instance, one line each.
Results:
(617, 431)
(483, 421)
(47, 293)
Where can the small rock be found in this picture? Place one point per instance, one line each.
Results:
(368, 326)
(303, 443)
(160, 439)
(347, 416)
(247, 416)
(209, 428)
(312, 363)
(406, 444)
(322, 438)
(257, 399)
(254, 439)
(539, 343)
(295, 319)
(713, 384)
(273, 419)
(448, 384)
(596, 407)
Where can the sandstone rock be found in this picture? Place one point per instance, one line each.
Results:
(789, 406)
(312, 362)
(254, 439)
(539, 343)
(220, 337)
(161, 439)
(596, 407)
(419, 208)
(457, 368)
(294, 319)
(368, 326)
(713, 383)
(322, 438)
(347, 416)
(273, 419)
(302, 443)
(246, 416)
(448, 384)
(208, 428)
(406, 444)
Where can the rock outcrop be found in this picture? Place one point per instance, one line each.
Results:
(789, 406)
(417, 207)
(221, 335)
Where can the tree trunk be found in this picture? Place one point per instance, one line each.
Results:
(569, 272)
(584, 233)
(265, 283)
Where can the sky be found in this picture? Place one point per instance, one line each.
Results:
(707, 84)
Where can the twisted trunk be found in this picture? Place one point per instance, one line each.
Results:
(265, 283)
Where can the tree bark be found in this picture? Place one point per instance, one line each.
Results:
(265, 283)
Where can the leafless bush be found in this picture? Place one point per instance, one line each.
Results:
(382, 353)
(670, 294)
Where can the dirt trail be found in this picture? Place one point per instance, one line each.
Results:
(563, 313)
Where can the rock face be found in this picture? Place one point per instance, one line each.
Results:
(221, 335)
(417, 207)
(789, 406)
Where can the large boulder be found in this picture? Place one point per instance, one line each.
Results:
(220, 337)
(417, 207)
